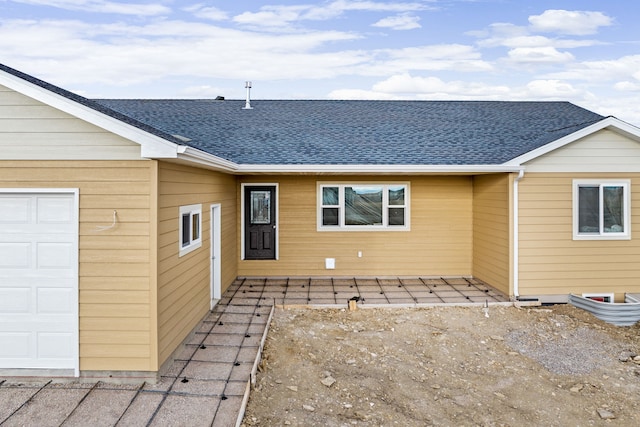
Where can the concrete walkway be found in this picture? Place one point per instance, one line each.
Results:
(209, 382)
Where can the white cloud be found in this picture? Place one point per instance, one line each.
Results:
(282, 16)
(208, 12)
(433, 86)
(598, 72)
(577, 23)
(627, 86)
(406, 86)
(552, 89)
(456, 57)
(399, 22)
(374, 6)
(72, 52)
(271, 16)
(101, 6)
(356, 94)
(539, 55)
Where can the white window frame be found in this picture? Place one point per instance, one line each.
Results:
(607, 297)
(385, 207)
(601, 235)
(195, 214)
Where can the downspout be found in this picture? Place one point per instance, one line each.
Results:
(516, 246)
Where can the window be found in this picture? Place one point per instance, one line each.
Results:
(363, 206)
(601, 210)
(190, 228)
(607, 297)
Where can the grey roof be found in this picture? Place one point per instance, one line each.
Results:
(324, 132)
(361, 132)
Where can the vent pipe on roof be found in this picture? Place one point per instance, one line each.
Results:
(247, 105)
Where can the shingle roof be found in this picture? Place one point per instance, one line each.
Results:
(323, 132)
(361, 132)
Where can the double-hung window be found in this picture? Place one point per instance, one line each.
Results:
(363, 207)
(601, 209)
(190, 228)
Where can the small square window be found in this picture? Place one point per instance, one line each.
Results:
(190, 226)
(601, 210)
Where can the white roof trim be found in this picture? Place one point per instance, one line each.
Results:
(376, 169)
(151, 146)
(193, 155)
(609, 122)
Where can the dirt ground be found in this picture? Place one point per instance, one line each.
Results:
(442, 366)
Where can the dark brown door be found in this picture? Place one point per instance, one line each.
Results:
(260, 222)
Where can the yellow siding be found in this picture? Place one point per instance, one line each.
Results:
(31, 130)
(491, 230)
(551, 262)
(602, 151)
(439, 242)
(114, 285)
(184, 282)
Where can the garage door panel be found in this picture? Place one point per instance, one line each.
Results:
(55, 300)
(15, 300)
(15, 255)
(38, 281)
(15, 210)
(55, 210)
(51, 345)
(55, 255)
(15, 345)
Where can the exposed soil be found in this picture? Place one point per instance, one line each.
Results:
(554, 366)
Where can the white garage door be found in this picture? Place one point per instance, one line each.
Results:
(38, 280)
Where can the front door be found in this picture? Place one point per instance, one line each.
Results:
(260, 222)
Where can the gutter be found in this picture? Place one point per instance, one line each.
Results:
(516, 241)
(193, 155)
(323, 169)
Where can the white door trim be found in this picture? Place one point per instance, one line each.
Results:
(216, 245)
(75, 260)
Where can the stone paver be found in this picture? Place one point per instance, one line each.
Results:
(208, 383)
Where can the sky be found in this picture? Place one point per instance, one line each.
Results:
(583, 51)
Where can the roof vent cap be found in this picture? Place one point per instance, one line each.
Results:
(247, 104)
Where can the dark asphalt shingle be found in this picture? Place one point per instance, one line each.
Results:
(361, 132)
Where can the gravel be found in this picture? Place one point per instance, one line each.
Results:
(574, 352)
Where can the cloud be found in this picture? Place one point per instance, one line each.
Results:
(407, 87)
(271, 16)
(458, 57)
(539, 55)
(77, 52)
(208, 12)
(552, 89)
(282, 16)
(403, 21)
(598, 72)
(101, 6)
(577, 23)
(627, 86)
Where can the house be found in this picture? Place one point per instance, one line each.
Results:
(123, 221)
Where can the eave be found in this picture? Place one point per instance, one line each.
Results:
(373, 169)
